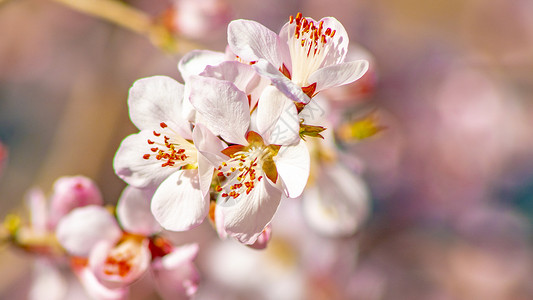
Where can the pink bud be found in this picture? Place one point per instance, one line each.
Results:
(70, 193)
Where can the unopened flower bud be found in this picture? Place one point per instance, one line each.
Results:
(70, 193)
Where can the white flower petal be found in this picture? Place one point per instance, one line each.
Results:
(80, 230)
(284, 84)
(252, 41)
(224, 108)
(133, 211)
(153, 100)
(277, 118)
(337, 75)
(175, 275)
(246, 217)
(340, 42)
(338, 204)
(179, 204)
(292, 163)
(130, 165)
(194, 62)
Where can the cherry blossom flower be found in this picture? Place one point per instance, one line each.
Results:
(70, 193)
(163, 154)
(247, 170)
(307, 56)
(106, 255)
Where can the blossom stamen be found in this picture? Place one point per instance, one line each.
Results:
(170, 150)
(122, 258)
(240, 172)
(309, 44)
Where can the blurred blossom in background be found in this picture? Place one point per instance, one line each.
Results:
(444, 204)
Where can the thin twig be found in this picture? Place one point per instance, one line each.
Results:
(132, 19)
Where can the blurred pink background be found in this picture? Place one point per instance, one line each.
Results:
(451, 177)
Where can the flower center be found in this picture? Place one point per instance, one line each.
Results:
(308, 46)
(246, 166)
(170, 148)
(123, 258)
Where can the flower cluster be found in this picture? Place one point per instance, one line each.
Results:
(230, 142)
(72, 228)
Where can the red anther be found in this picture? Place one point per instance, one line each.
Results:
(224, 195)
(156, 134)
(298, 16)
(154, 149)
(259, 178)
(146, 156)
(291, 19)
(151, 142)
(333, 33)
(163, 124)
(220, 174)
(218, 188)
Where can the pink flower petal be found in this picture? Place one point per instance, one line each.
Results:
(133, 211)
(175, 275)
